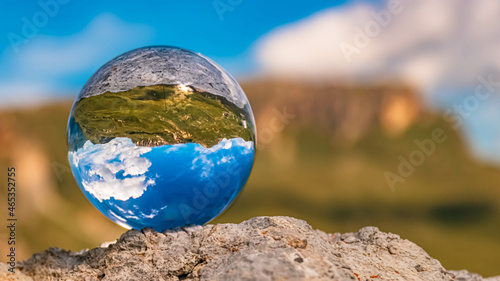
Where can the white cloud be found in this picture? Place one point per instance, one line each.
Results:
(206, 161)
(431, 44)
(153, 214)
(225, 159)
(137, 214)
(119, 220)
(129, 214)
(113, 170)
(47, 66)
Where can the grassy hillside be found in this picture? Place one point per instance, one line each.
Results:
(161, 114)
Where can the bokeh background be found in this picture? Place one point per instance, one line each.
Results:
(373, 112)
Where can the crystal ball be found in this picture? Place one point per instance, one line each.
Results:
(161, 137)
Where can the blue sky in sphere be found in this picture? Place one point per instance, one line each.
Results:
(192, 185)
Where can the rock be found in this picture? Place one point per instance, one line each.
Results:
(6, 275)
(262, 248)
(464, 275)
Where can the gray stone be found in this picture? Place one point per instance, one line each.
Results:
(464, 275)
(262, 248)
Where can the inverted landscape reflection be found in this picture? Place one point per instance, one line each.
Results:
(161, 137)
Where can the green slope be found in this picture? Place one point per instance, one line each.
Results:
(161, 114)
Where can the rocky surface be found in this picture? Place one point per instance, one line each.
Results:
(262, 248)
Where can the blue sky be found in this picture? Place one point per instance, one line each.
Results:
(192, 24)
(79, 36)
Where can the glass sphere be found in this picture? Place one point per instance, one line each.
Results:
(161, 137)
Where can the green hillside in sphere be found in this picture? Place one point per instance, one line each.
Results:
(161, 114)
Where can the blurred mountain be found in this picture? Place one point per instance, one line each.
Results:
(323, 153)
(347, 112)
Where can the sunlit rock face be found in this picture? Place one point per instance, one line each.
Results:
(161, 137)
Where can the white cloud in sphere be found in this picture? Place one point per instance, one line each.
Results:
(100, 164)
